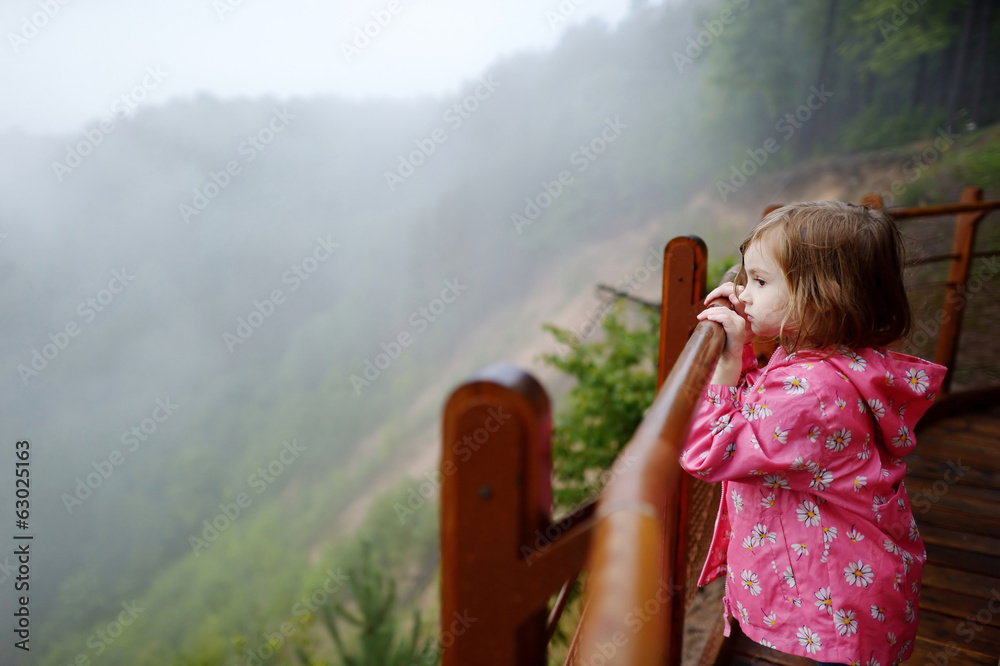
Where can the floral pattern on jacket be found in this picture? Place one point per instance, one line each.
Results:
(815, 533)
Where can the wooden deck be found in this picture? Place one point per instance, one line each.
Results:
(953, 480)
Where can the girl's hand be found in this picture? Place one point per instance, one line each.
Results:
(737, 329)
(727, 290)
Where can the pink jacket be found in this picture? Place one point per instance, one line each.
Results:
(815, 534)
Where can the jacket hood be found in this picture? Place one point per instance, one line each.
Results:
(898, 389)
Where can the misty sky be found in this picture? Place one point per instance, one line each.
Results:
(69, 72)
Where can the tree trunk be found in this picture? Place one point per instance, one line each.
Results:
(825, 76)
(919, 95)
(979, 88)
(956, 85)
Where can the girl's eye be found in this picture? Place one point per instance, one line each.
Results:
(760, 282)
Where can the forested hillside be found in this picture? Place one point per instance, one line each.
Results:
(257, 313)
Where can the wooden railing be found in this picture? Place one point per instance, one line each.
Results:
(503, 558)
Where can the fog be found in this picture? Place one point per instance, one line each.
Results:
(239, 241)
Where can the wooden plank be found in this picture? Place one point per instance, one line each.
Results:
(949, 602)
(932, 653)
(746, 651)
(961, 521)
(972, 636)
(976, 585)
(958, 444)
(916, 483)
(930, 468)
(948, 536)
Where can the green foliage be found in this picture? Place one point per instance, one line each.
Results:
(616, 382)
(376, 640)
(873, 128)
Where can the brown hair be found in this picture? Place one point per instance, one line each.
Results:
(843, 265)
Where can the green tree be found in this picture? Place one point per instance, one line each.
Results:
(616, 382)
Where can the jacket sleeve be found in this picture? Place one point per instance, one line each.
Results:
(779, 430)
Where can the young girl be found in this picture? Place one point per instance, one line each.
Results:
(815, 534)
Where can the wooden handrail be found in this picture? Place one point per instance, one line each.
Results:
(632, 560)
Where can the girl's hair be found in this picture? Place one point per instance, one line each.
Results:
(844, 268)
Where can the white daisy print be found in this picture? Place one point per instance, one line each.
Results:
(742, 611)
(721, 425)
(775, 481)
(789, 579)
(823, 600)
(878, 409)
(858, 573)
(813, 434)
(914, 532)
(768, 501)
(878, 612)
(917, 380)
(730, 450)
(865, 453)
(890, 379)
(897, 581)
(800, 550)
(873, 662)
(780, 436)
(854, 535)
(890, 547)
(844, 620)
(908, 614)
(857, 363)
(795, 385)
(737, 501)
(750, 543)
(890, 638)
(821, 479)
(750, 582)
(760, 533)
(860, 482)
(748, 412)
(808, 513)
(762, 411)
(861, 406)
(713, 399)
(902, 438)
(841, 404)
(809, 640)
(839, 440)
(829, 534)
(795, 601)
(768, 644)
(770, 619)
(799, 464)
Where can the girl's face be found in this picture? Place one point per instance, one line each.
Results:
(766, 295)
